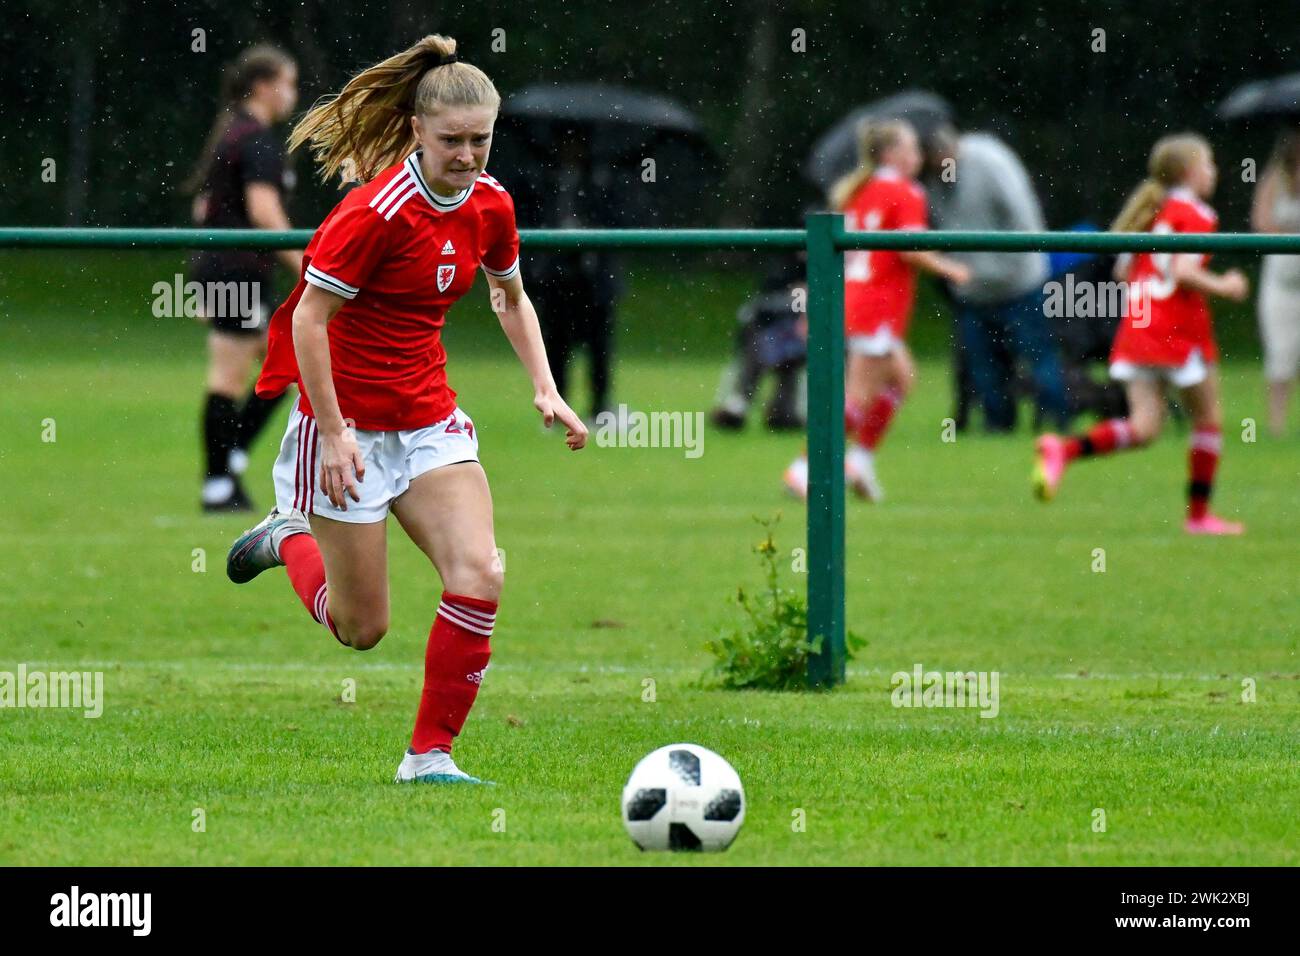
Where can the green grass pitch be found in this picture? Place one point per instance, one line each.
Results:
(1120, 691)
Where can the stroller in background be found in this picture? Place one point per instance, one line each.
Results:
(769, 342)
(1085, 342)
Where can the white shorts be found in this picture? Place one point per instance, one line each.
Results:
(393, 460)
(879, 343)
(1192, 372)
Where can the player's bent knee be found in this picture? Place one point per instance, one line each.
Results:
(225, 385)
(481, 579)
(903, 366)
(488, 583)
(1145, 430)
(362, 636)
(365, 639)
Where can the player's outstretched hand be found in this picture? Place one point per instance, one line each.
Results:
(1236, 286)
(552, 406)
(341, 467)
(959, 273)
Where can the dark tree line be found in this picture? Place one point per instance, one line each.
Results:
(117, 97)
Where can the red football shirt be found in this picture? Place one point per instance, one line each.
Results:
(878, 285)
(1179, 319)
(401, 255)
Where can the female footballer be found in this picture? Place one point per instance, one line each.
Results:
(1166, 334)
(879, 287)
(240, 183)
(376, 427)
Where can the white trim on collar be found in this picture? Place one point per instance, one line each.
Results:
(439, 203)
(1196, 202)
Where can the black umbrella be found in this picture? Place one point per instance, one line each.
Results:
(599, 103)
(617, 129)
(836, 150)
(1279, 98)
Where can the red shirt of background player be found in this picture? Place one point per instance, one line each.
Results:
(878, 285)
(1179, 318)
(401, 255)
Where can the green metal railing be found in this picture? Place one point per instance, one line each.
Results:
(73, 238)
(824, 239)
(55, 237)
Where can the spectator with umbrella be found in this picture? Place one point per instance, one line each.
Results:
(579, 153)
(1276, 208)
(575, 293)
(977, 183)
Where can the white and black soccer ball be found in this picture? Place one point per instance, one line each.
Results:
(683, 797)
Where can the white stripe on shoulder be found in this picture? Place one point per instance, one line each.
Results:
(503, 274)
(327, 282)
(407, 185)
(491, 181)
(404, 175)
(401, 201)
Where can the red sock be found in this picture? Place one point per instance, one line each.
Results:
(454, 662)
(1101, 439)
(1203, 460)
(879, 414)
(301, 556)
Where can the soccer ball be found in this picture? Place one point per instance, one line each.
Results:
(683, 797)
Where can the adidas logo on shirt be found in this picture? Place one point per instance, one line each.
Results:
(448, 249)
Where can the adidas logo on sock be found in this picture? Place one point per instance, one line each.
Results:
(448, 249)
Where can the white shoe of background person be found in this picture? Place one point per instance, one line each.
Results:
(796, 478)
(237, 461)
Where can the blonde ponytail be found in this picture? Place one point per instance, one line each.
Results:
(366, 127)
(1167, 166)
(1140, 208)
(873, 139)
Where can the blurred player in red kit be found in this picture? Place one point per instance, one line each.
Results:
(879, 288)
(1166, 335)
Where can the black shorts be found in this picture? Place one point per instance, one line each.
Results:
(235, 301)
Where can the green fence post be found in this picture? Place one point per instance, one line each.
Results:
(825, 450)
